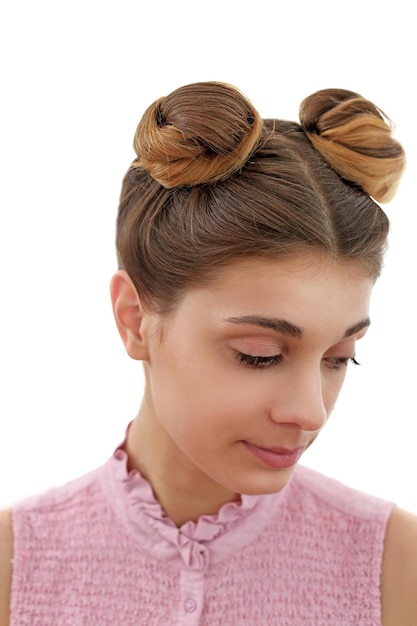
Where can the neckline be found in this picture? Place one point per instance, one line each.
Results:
(194, 544)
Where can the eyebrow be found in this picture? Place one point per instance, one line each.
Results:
(274, 323)
(287, 328)
(357, 327)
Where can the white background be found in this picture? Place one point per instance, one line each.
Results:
(75, 80)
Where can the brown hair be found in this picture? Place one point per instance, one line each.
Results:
(213, 182)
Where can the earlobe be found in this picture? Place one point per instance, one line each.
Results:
(129, 313)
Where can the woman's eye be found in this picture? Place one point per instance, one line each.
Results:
(259, 361)
(338, 362)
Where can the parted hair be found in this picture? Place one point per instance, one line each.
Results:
(213, 182)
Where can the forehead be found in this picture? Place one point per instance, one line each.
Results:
(297, 272)
(307, 290)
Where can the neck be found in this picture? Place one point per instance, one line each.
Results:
(183, 491)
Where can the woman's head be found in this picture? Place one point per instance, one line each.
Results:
(213, 183)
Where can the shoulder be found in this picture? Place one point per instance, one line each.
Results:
(6, 555)
(399, 571)
(58, 498)
(341, 497)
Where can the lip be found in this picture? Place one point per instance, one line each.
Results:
(276, 458)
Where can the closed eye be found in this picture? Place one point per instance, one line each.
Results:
(259, 361)
(338, 362)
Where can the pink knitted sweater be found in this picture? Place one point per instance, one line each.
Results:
(100, 552)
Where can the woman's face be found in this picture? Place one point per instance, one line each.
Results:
(245, 373)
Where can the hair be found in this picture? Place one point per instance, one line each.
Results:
(213, 183)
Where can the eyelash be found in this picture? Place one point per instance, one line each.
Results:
(339, 362)
(271, 361)
(259, 361)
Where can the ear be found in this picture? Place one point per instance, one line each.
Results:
(129, 315)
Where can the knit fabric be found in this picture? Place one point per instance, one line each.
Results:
(100, 552)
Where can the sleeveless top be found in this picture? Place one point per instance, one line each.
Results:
(100, 552)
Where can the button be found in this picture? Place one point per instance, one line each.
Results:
(190, 605)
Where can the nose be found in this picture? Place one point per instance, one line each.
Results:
(298, 400)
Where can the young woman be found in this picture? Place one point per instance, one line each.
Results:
(248, 250)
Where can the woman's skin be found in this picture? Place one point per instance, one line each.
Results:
(250, 363)
(296, 320)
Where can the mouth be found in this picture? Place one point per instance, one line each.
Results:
(275, 458)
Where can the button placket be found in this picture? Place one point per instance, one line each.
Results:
(190, 605)
(192, 597)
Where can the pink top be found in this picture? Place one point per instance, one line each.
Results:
(100, 552)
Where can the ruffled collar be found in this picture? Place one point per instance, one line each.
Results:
(195, 544)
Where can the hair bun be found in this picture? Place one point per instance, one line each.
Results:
(355, 138)
(200, 133)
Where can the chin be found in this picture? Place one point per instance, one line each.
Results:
(264, 484)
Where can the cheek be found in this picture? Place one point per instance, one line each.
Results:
(332, 386)
(197, 403)
(188, 374)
